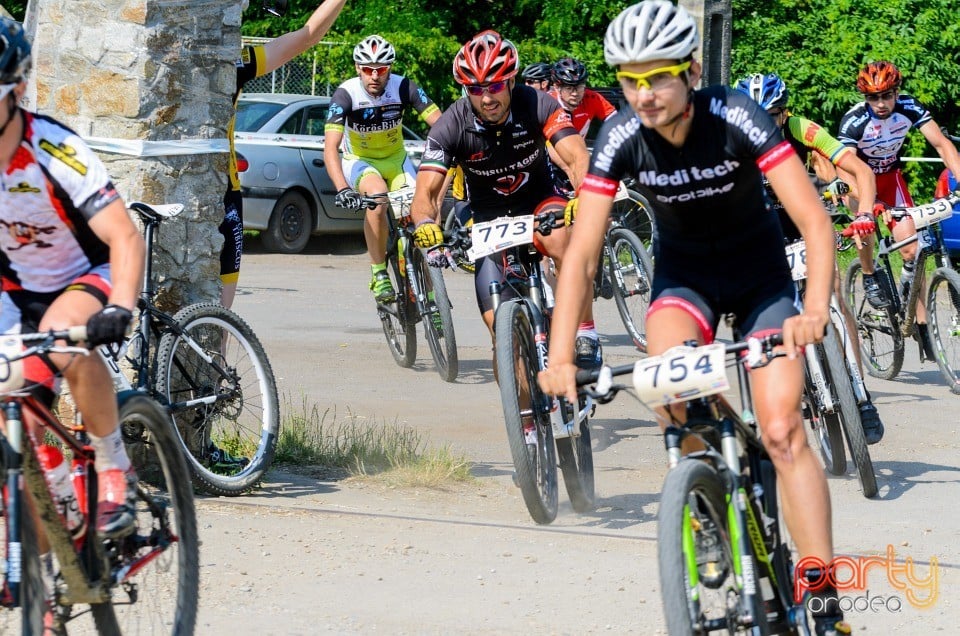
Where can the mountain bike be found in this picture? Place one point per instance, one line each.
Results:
(145, 582)
(833, 387)
(883, 331)
(540, 429)
(634, 212)
(421, 295)
(207, 366)
(725, 559)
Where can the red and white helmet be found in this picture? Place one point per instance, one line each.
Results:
(486, 58)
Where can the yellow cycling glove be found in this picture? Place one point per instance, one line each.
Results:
(427, 234)
(570, 210)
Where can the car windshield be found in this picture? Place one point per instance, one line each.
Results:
(251, 116)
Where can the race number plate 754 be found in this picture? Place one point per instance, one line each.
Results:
(681, 374)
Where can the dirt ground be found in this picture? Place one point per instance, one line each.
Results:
(308, 554)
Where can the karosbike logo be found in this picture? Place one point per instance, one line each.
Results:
(849, 574)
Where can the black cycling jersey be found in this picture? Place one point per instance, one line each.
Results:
(505, 166)
(714, 231)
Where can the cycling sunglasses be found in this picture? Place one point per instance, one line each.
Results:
(368, 70)
(876, 97)
(659, 76)
(493, 88)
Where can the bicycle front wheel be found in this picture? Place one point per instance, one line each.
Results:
(631, 271)
(848, 411)
(943, 309)
(826, 426)
(216, 379)
(397, 318)
(694, 550)
(437, 320)
(33, 605)
(880, 339)
(636, 215)
(576, 463)
(526, 411)
(158, 566)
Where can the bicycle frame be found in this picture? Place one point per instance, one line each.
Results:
(537, 299)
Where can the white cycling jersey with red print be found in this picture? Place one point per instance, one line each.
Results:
(879, 142)
(505, 166)
(707, 194)
(53, 186)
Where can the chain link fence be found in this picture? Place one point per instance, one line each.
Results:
(298, 76)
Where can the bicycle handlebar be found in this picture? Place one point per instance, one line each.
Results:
(940, 209)
(946, 133)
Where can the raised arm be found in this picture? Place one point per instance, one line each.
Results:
(282, 49)
(943, 146)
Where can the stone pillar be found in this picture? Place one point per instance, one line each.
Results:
(715, 21)
(150, 70)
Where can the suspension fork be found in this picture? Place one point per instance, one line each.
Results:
(849, 354)
(15, 508)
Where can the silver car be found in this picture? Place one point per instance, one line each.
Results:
(287, 194)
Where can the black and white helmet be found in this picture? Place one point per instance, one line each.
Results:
(373, 49)
(650, 30)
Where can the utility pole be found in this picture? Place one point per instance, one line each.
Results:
(715, 21)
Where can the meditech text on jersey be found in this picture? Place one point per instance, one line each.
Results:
(615, 138)
(739, 117)
(683, 175)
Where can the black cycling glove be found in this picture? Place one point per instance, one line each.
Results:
(348, 198)
(108, 326)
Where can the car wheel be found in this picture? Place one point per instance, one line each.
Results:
(290, 225)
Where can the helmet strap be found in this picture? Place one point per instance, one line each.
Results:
(12, 110)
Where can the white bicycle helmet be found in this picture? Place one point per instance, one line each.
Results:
(373, 49)
(650, 30)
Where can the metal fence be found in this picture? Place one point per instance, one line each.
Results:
(298, 76)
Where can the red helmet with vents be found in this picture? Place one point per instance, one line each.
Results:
(486, 58)
(877, 77)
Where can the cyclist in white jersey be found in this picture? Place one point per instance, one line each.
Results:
(69, 255)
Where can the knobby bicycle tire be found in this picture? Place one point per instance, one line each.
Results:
(827, 429)
(691, 482)
(442, 340)
(850, 414)
(167, 588)
(943, 313)
(229, 441)
(576, 462)
(632, 282)
(881, 342)
(535, 463)
(28, 620)
(398, 318)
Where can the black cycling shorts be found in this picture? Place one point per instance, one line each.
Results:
(232, 230)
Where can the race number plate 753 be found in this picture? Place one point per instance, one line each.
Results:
(681, 374)
(500, 234)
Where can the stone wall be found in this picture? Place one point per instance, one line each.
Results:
(151, 70)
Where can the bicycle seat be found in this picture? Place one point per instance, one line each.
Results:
(156, 213)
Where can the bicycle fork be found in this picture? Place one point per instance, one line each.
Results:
(849, 354)
(14, 503)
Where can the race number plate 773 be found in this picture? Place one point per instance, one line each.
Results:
(500, 234)
(681, 374)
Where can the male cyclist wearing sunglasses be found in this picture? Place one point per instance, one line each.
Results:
(498, 133)
(877, 128)
(698, 156)
(366, 114)
(537, 75)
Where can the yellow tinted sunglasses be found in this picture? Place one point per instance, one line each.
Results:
(652, 80)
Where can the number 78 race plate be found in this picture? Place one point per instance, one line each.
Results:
(681, 374)
(494, 236)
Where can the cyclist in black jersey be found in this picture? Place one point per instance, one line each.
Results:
(498, 133)
(698, 156)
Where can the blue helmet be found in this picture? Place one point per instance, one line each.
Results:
(767, 90)
(14, 52)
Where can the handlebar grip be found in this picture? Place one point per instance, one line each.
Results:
(587, 376)
(78, 333)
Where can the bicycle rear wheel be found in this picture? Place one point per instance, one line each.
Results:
(826, 426)
(848, 411)
(880, 339)
(29, 619)
(943, 311)
(636, 215)
(215, 377)
(438, 323)
(631, 272)
(694, 551)
(526, 412)
(160, 560)
(397, 318)
(576, 463)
